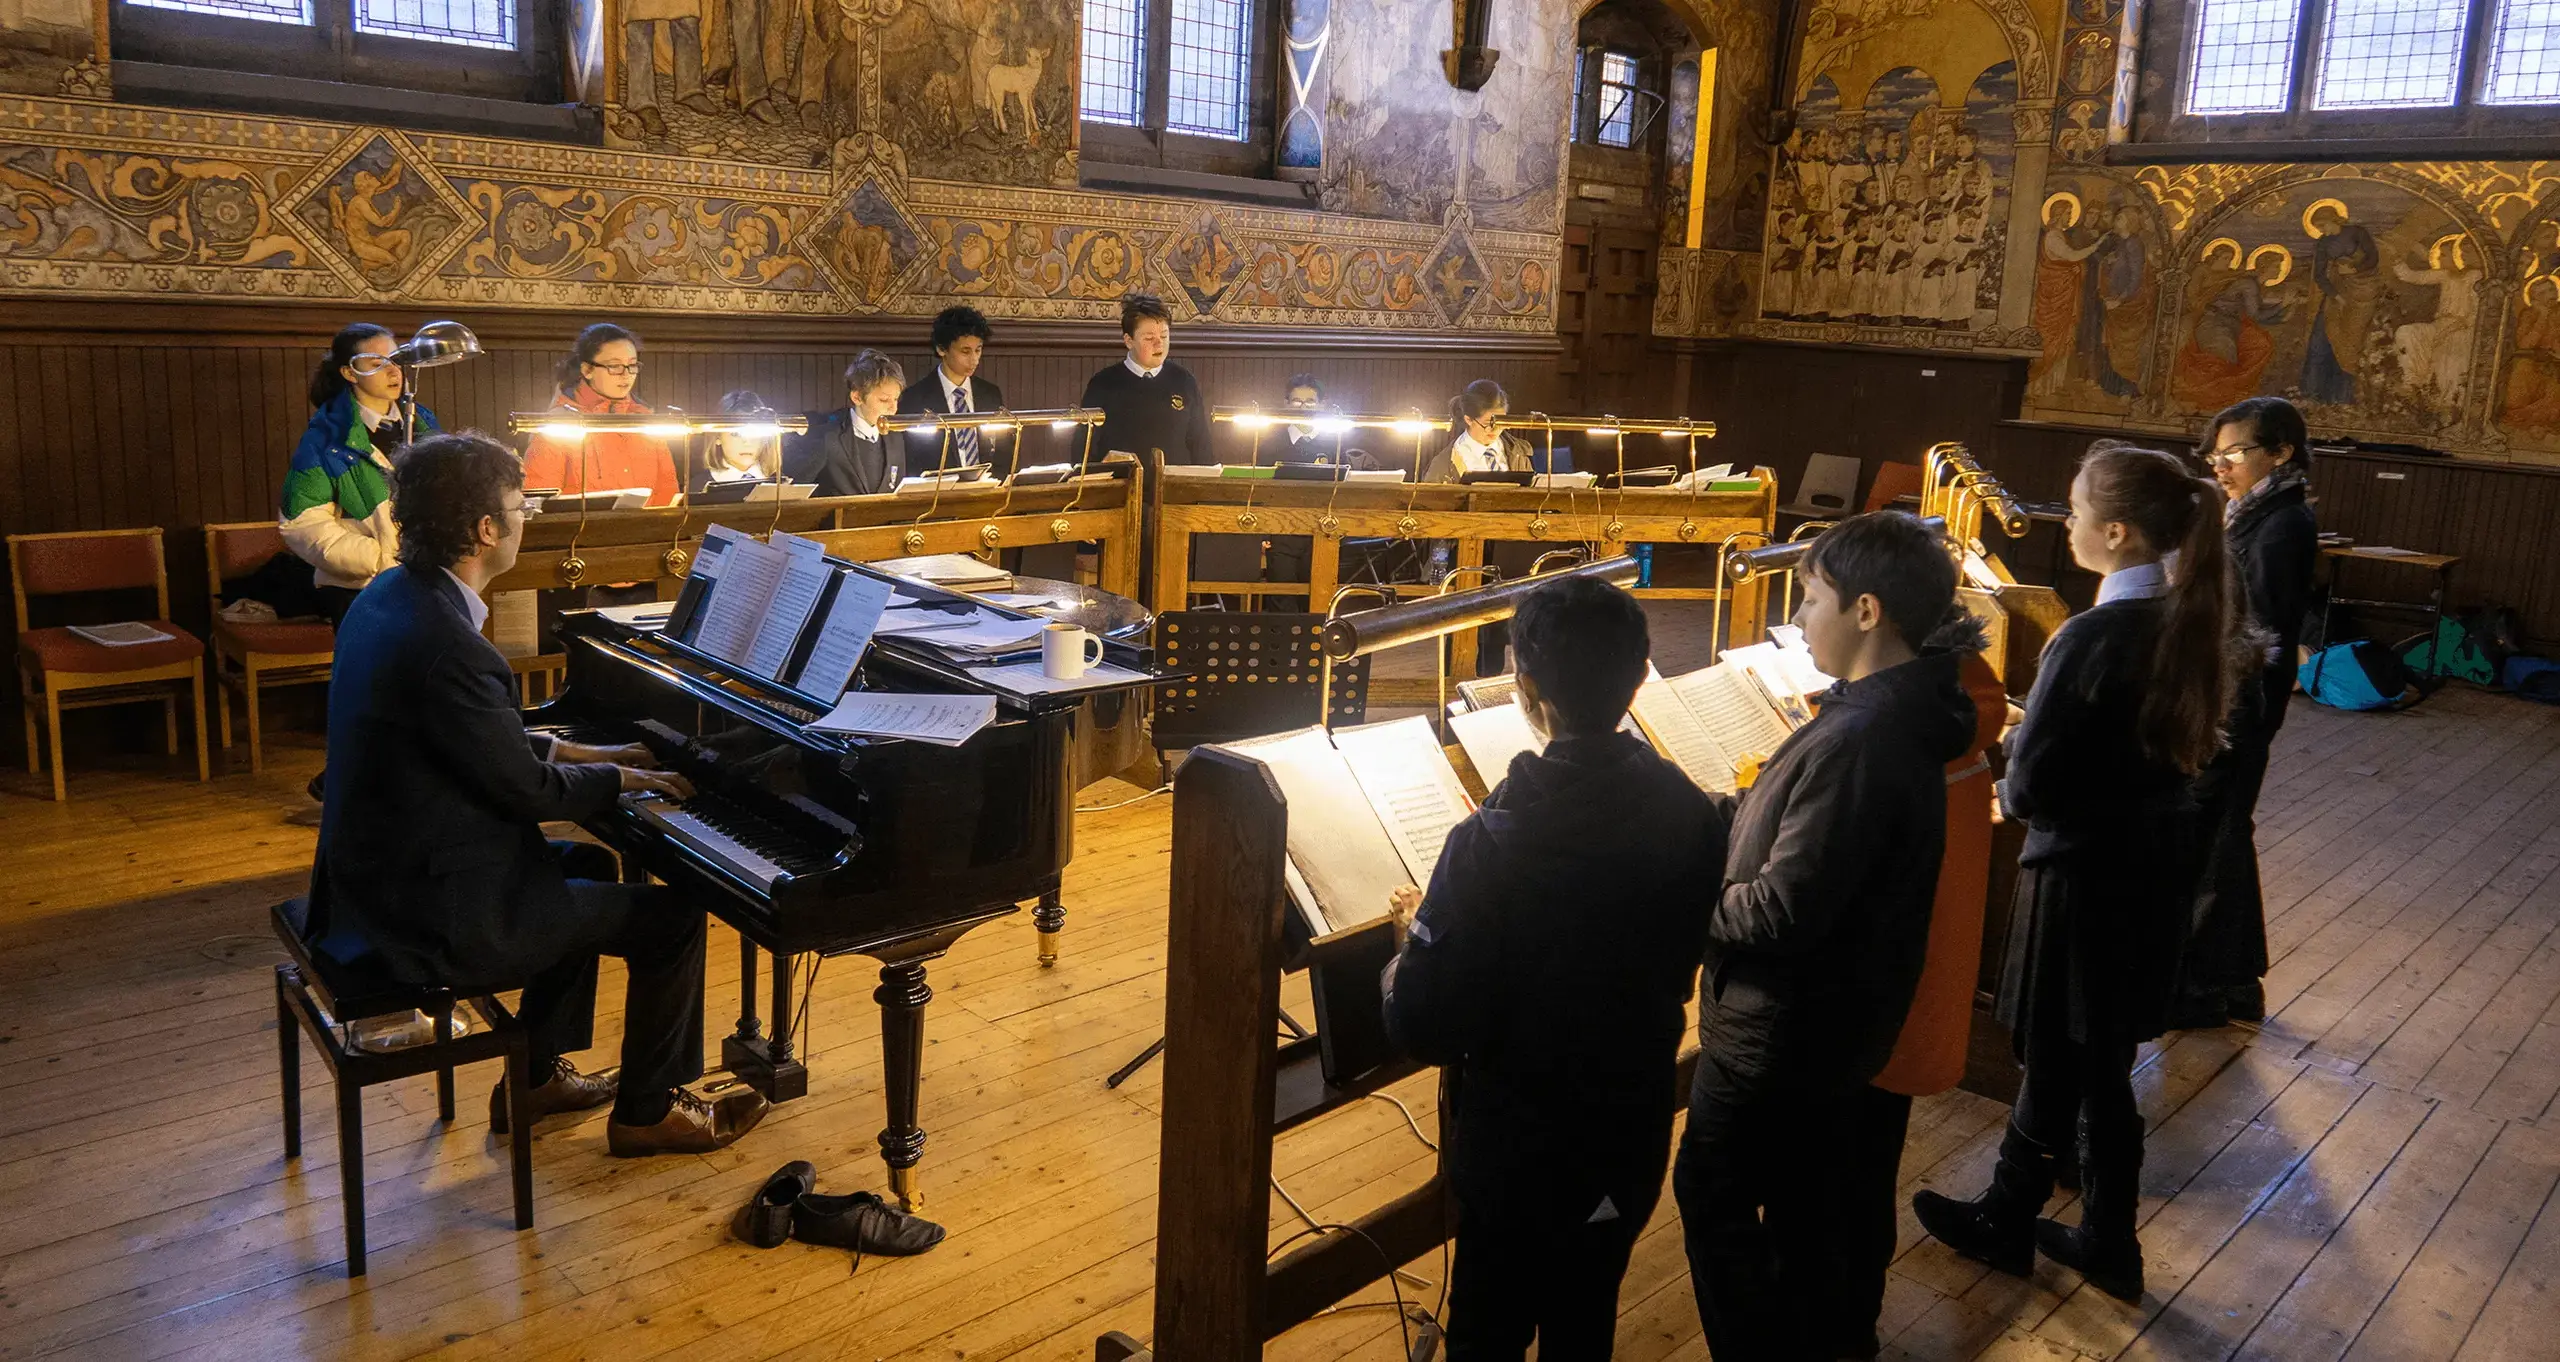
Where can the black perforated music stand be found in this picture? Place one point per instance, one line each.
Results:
(1252, 673)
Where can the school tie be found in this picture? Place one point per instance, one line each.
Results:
(964, 442)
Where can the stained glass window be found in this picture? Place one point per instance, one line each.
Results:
(1212, 42)
(470, 23)
(272, 11)
(2524, 59)
(1617, 99)
(1114, 61)
(2385, 54)
(2243, 56)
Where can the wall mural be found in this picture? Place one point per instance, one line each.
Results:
(1401, 142)
(53, 47)
(2416, 302)
(267, 208)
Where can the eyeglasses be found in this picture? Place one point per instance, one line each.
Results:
(2232, 457)
(366, 366)
(618, 370)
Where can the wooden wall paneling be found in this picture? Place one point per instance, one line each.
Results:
(53, 493)
(12, 444)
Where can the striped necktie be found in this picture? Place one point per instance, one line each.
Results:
(964, 441)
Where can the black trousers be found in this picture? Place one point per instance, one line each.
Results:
(2227, 944)
(658, 936)
(1551, 1278)
(334, 602)
(1754, 1183)
(1866, 1185)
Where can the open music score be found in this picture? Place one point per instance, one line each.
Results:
(1706, 722)
(751, 603)
(1370, 809)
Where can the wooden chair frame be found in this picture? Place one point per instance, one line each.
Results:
(57, 691)
(254, 669)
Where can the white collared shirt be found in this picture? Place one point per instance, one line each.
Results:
(476, 609)
(1132, 362)
(862, 430)
(1474, 456)
(2140, 582)
(373, 420)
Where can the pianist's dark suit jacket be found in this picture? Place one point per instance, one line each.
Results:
(925, 394)
(432, 859)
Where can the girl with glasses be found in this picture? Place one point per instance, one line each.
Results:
(336, 508)
(597, 376)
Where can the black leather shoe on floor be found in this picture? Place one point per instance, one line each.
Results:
(766, 1221)
(862, 1222)
(563, 1089)
(1980, 1230)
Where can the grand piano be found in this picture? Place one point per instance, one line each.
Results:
(815, 844)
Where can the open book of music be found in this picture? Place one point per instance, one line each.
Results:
(778, 609)
(1369, 809)
(1705, 722)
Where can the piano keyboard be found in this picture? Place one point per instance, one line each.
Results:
(726, 832)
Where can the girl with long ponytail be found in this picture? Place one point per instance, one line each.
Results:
(2128, 705)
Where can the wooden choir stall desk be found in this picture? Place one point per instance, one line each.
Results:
(1251, 500)
(656, 545)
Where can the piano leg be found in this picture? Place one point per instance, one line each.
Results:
(902, 996)
(1049, 919)
(765, 1063)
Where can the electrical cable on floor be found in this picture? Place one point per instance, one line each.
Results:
(1315, 1226)
(1427, 1141)
(1140, 799)
(1395, 1275)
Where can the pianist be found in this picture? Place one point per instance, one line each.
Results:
(432, 865)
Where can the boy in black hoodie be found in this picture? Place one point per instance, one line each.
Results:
(1815, 946)
(1546, 972)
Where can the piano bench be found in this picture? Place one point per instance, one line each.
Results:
(319, 996)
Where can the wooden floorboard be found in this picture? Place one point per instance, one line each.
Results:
(2370, 1175)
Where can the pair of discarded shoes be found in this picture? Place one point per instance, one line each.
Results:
(789, 1206)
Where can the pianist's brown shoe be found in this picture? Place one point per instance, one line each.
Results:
(693, 1125)
(565, 1089)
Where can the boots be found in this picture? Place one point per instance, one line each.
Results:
(1999, 1226)
(2102, 1247)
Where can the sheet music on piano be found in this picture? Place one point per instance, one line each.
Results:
(796, 590)
(852, 617)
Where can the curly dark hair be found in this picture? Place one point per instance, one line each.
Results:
(952, 323)
(441, 489)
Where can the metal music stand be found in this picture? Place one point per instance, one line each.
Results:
(1253, 673)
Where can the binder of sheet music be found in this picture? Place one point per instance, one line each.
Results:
(1369, 810)
(763, 600)
(1703, 722)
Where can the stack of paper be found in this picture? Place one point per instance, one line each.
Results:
(759, 600)
(951, 571)
(119, 635)
(943, 720)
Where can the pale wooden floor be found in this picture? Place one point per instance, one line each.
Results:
(2370, 1176)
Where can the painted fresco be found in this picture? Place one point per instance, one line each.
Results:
(278, 208)
(1402, 143)
(982, 89)
(2529, 404)
(1893, 214)
(52, 47)
(2097, 289)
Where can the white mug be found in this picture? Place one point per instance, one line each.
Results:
(1067, 651)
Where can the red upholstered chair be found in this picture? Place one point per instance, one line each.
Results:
(1894, 481)
(247, 656)
(59, 670)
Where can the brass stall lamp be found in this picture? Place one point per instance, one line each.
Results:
(1061, 421)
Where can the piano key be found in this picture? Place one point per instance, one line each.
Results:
(709, 839)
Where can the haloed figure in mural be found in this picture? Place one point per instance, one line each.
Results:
(2084, 279)
(2227, 354)
(2343, 261)
(2434, 354)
